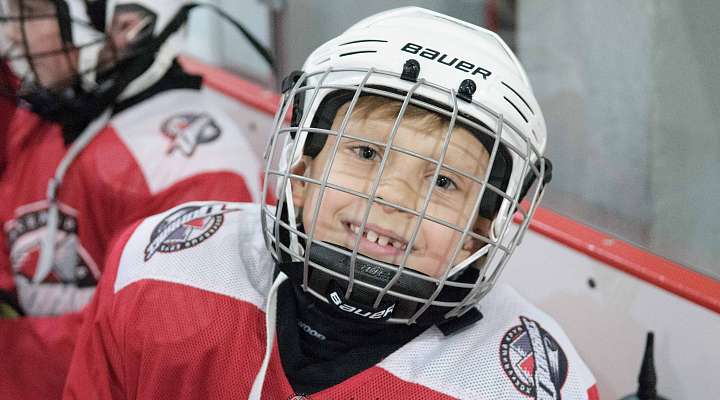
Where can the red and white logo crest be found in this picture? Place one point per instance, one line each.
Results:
(533, 360)
(187, 131)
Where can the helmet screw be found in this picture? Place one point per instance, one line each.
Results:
(411, 70)
(466, 90)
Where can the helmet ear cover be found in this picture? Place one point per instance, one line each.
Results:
(328, 108)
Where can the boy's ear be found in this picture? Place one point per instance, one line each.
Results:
(299, 187)
(482, 227)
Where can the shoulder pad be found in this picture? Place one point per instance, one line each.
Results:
(181, 133)
(212, 246)
(503, 355)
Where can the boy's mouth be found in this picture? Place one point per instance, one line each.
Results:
(376, 241)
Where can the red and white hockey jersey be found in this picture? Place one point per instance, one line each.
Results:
(7, 109)
(174, 147)
(180, 315)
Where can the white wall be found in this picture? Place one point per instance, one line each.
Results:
(212, 39)
(631, 95)
(608, 323)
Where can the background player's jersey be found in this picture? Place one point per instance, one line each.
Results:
(180, 315)
(171, 148)
(7, 109)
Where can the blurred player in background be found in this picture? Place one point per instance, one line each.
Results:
(8, 302)
(113, 130)
(7, 108)
(414, 138)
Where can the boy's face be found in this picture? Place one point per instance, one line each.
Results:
(39, 33)
(405, 181)
(38, 38)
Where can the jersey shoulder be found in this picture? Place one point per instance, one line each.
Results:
(213, 246)
(181, 133)
(514, 351)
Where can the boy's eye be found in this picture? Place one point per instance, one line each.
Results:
(365, 152)
(444, 182)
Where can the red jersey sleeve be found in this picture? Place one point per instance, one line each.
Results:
(96, 368)
(7, 282)
(7, 109)
(36, 353)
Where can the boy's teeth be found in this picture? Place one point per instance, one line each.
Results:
(374, 237)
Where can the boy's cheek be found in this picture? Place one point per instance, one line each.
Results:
(353, 181)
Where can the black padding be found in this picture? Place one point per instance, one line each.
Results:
(460, 323)
(380, 276)
(531, 177)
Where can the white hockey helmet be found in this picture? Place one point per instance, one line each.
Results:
(99, 73)
(445, 66)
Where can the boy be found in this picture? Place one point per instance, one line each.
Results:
(398, 179)
(111, 129)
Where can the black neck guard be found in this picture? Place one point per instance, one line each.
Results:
(320, 348)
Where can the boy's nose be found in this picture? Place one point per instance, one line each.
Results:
(397, 190)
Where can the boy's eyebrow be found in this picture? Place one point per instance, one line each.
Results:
(468, 160)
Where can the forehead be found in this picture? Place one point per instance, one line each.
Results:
(420, 131)
(32, 10)
(14, 4)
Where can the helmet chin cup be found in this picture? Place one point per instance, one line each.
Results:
(329, 269)
(376, 275)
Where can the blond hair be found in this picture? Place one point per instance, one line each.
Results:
(383, 107)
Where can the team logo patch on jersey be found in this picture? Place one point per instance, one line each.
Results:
(187, 131)
(533, 360)
(185, 228)
(24, 234)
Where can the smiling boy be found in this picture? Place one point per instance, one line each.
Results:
(405, 181)
(373, 276)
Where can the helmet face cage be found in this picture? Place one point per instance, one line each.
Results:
(78, 45)
(290, 239)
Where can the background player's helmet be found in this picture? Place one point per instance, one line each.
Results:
(102, 73)
(446, 66)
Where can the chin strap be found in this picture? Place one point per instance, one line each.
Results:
(47, 245)
(270, 327)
